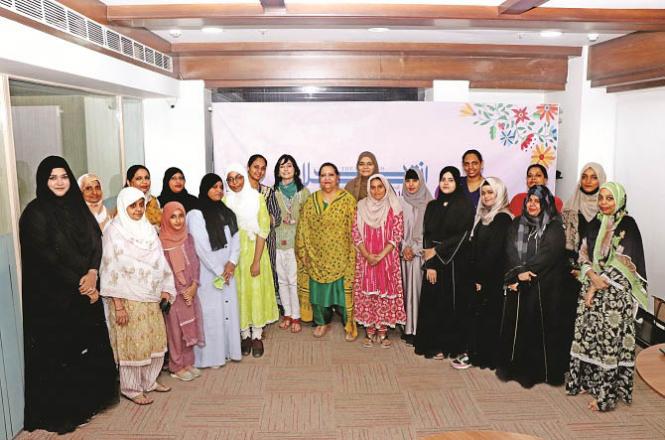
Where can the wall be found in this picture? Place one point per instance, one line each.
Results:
(175, 135)
(638, 162)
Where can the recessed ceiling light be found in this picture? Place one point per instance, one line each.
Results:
(311, 89)
(551, 33)
(378, 29)
(593, 36)
(212, 30)
(175, 33)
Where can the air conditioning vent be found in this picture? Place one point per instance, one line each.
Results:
(58, 16)
(31, 8)
(55, 15)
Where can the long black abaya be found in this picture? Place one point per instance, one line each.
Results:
(70, 374)
(532, 348)
(443, 311)
(488, 266)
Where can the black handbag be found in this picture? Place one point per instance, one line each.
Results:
(650, 329)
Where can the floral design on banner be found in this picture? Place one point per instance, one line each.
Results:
(532, 129)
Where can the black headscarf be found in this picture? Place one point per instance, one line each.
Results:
(458, 184)
(186, 199)
(69, 211)
(535, 225)
(216, 214)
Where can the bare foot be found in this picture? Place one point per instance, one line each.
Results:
(320, 330)
(141, 399)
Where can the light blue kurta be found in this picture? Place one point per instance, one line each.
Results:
(221, 318)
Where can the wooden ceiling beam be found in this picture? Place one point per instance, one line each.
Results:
(516, 7)
(637, 86)
(395, 15)
(626, 62)
(471, 50)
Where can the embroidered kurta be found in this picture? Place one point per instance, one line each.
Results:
(325, 250)
(256, 295)
(221, 317)
(378, 296)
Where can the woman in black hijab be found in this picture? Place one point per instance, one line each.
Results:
(173, 190)
(70, 374)
(531, 348)
(443, 309)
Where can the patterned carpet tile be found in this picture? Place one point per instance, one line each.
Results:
(603, 431)
(371, 410)
(295, 436)
(299, 379)
(244, 378)
(298, 413)
(215, 434)
(298, 353)
(497, 406)
(452, 408)
(224, 411)
(366, 378)
(379, 433)
(554, 429)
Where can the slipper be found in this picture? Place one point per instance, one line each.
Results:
(320, 331)
(160, 388)
(349, 337)
(286, 323)
(438, 357)
(141, 399)
(295, 326)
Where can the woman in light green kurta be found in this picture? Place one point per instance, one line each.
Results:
(256, 291)
(326, 254)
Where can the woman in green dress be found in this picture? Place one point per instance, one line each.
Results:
(326, 255)
(256, 291)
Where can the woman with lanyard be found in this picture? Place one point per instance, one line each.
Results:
(290, 195)
(530, 349)
(613, 276)
(138, 281)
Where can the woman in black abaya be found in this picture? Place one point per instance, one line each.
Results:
(531, 348)
(173, 190)
(443, 309)
(70, 374)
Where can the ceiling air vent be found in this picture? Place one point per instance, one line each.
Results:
(55, 15)
(31, 8)
(58, 16)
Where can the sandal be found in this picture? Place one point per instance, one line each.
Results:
(368, 342)
(439, 357)
(286, 323)
(141, 399)
(384, 341)
(349, 337)
(160, 388)
(320, 331)
(295, 326)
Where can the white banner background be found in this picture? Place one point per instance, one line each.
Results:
(401, 134)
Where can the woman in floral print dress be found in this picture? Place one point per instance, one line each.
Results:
(613, 283)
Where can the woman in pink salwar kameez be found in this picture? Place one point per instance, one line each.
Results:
(377, 231)
(184, 325)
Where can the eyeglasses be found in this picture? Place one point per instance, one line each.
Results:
(237, 178)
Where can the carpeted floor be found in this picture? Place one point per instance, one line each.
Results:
(315, 389)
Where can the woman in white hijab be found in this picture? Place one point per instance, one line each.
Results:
(256, 290)
(91, 188)
(488, 244)
(136, 276)
(378, 295)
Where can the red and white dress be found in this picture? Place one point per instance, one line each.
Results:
(378, 294)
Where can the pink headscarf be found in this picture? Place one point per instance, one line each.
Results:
(173, 241)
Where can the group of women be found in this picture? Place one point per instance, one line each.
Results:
(466, 274)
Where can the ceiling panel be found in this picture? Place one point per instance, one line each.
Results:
(230, 35)
(591, 4)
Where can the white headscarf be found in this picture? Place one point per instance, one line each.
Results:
(374, 212)
(98, 209)
(140, 232)
(245, 203)
(486, 214)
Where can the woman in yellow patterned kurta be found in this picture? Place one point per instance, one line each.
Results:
(256, 291)
(326, 255)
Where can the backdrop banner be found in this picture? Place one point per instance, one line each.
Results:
(429, 135)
